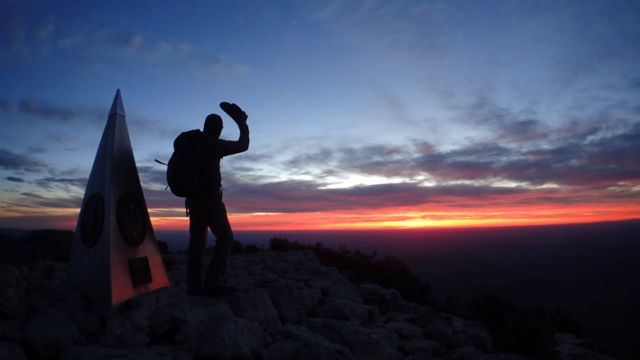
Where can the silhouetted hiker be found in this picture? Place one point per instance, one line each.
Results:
(205, 206)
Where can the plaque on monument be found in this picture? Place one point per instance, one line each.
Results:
(115, 256)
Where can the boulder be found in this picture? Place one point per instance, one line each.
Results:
(123, 333)
(156, 352)
(423, 318)
(405, 330)
(129, 325)
(12, 292)
(256, 306)
(341, 287)
(319, 281)
(59, 294)
(293, 300)
(95, 352)
(467, 353)
(379, 296)
(296, 259)
(201, 311)
(506, 356)
(345, 309)
(247, 273)
(478, 335)
(422, 346)
(302, 344)
(11, 351)
(169, 324)
(407, 308)
(363, 343)
(10, 330)
(572, 351)
(51, 333)
(231, 338)
(441, 331)
(421, 356)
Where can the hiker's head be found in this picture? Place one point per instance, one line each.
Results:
(213, 125)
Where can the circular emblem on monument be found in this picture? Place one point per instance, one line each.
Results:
(91, 220)
(132, 219)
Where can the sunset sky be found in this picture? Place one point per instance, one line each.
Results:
(363, 114)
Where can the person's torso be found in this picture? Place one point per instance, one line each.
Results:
(210, 177)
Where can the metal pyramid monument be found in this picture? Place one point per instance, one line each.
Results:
(115, 255)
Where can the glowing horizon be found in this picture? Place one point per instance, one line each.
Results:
(389, 219)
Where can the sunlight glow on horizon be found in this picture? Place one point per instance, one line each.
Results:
(411, 219)
(384, 219)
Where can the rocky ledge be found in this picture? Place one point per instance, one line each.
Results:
(288, 306)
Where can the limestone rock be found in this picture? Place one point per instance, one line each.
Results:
(405, 330)
(128, 326)
(440, 331)
(363, 343)
(424, 318)
(10, 330)
(506, 356)
(11, 351)
(169, 324)
(302, 344)
(479, 335)
(467, 353)
(72, 302)
(345, 309)
(342, 288)
(376, 295)
(231, 338)
(423, 346)
(569, 347)
(421, 356)
(123, 333)
(12, 293)
(257, 306)
(51, 333)
(288, 307)
(94, 352)
(202, 310)
(293, 300)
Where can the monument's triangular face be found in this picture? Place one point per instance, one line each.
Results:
(115, 255)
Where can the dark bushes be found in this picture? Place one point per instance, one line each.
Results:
(523, 330)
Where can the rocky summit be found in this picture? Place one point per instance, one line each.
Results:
(288, 306)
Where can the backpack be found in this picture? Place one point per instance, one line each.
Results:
(183, 170)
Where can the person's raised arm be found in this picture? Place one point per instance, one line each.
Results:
(240, 118)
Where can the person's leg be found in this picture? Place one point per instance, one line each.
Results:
(216, 273)
(197, 242)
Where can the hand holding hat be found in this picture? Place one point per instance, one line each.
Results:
(233, 110)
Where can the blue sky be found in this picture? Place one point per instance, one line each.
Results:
(365, 102)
